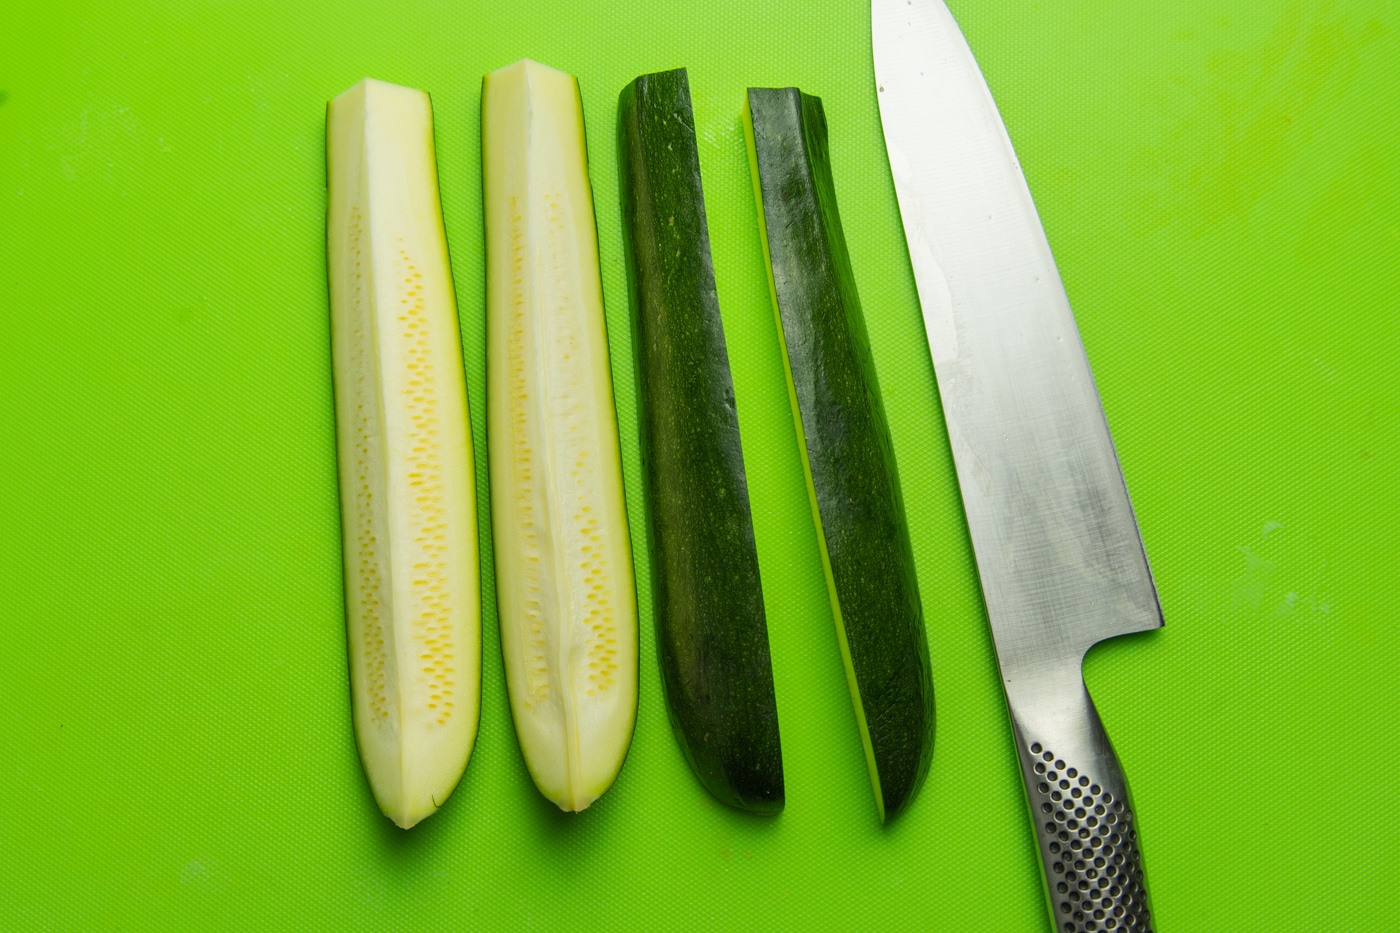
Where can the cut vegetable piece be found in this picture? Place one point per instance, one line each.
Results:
(849, 462)
(407, 483)
(712, 636)
(563, 558)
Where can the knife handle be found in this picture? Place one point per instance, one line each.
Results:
(1081, 810)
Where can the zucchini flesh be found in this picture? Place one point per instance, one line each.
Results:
(712, 636)
(564, 580)
(849, 461)
(407, 481)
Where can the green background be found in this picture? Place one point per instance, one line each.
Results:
(1220, 182)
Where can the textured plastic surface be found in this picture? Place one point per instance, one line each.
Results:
(1219, 183)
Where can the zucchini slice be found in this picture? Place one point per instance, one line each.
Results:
(563, 559)
(849, 462)
(712, 636)
(407, 483)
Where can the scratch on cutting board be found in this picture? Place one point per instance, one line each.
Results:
(1258, 574)
(200, 873)
(1259, 589)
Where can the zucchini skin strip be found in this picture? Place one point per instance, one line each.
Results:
(848, 459)
(711, 630)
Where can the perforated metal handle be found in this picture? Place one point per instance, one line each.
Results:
(1083, 816)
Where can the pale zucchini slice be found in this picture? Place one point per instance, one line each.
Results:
(407, 483)
(563, 558)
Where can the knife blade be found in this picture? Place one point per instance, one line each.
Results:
(1057, 545)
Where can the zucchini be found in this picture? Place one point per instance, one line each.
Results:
(849, 464)
(407, 482)
(712, 636)
(564, 583)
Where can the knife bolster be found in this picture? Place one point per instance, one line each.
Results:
(1085, 825)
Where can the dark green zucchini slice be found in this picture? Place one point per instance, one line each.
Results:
(850, 465)
(711, 631)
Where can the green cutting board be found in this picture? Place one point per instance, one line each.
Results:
(1220, 183)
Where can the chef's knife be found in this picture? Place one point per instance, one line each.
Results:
(1057, 545)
